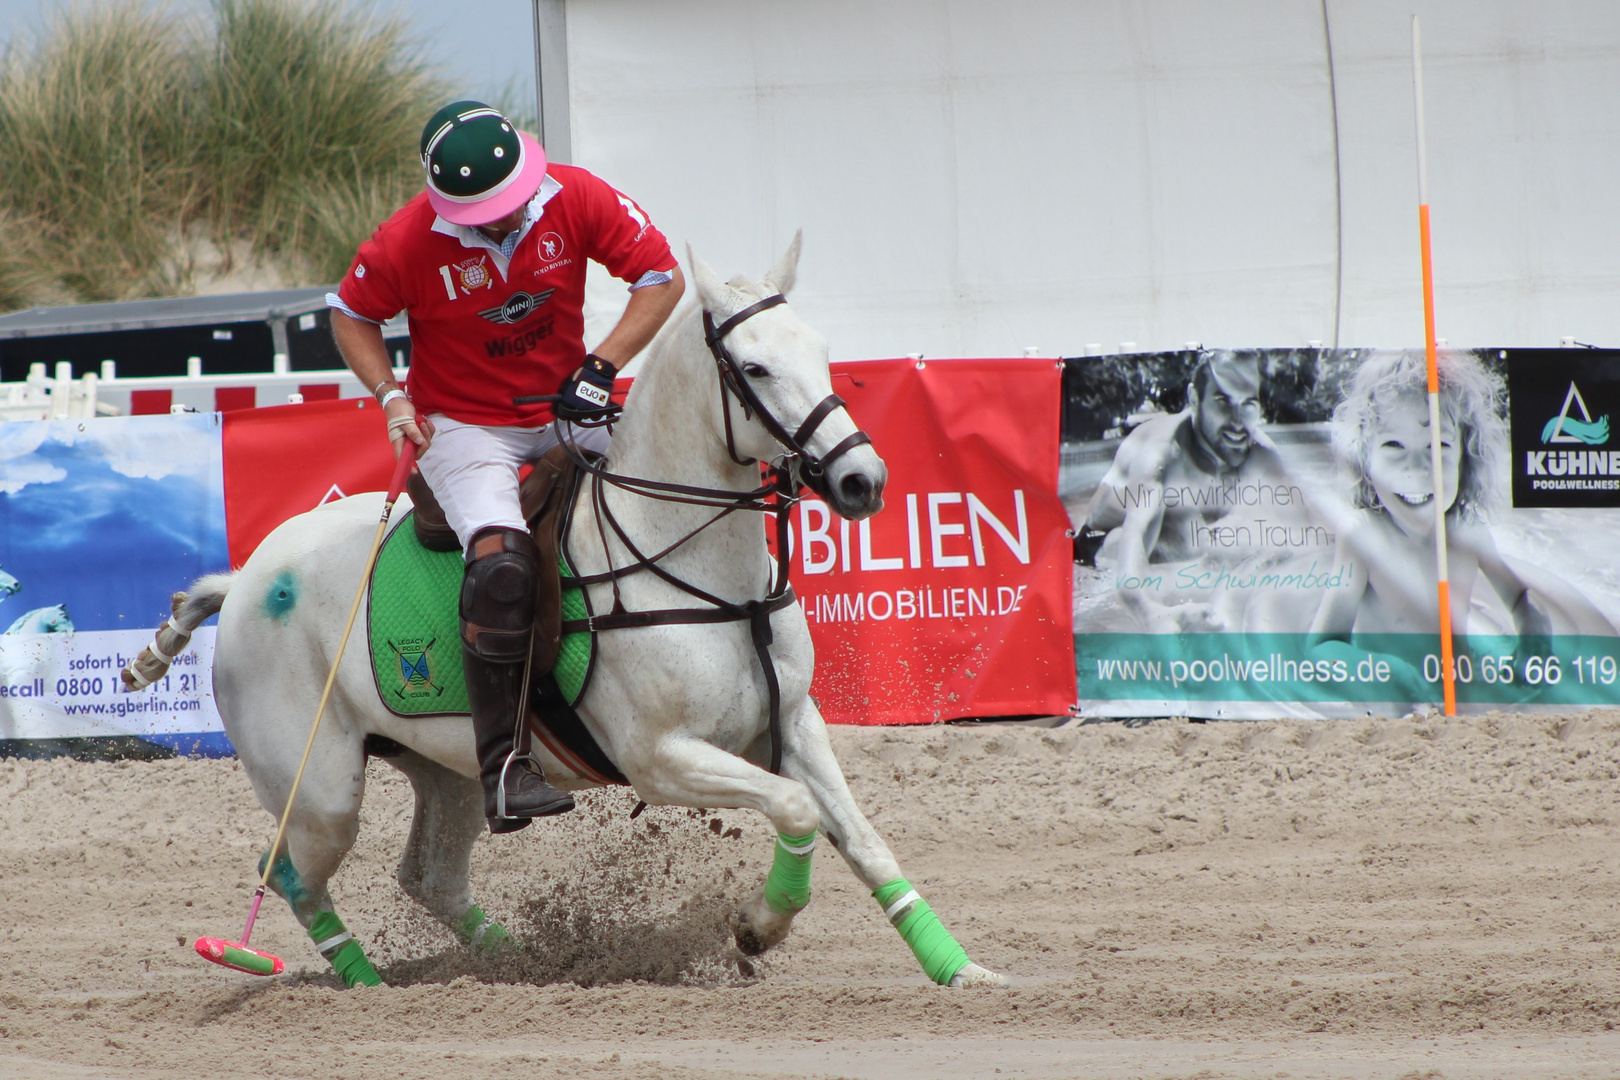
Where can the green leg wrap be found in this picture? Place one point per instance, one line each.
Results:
(787, 887)
(482, 933)
(938, 953)
(345, 953)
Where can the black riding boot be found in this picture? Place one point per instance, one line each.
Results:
(494, 690)
(497, 617)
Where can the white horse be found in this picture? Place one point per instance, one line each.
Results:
(681, 709)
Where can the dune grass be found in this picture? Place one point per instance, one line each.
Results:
(98, 126)
(130, 131)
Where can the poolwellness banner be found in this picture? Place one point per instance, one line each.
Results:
(1255, 531)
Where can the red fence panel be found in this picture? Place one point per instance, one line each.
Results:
(954, 600)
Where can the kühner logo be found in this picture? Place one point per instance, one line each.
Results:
(1563, 428)
(1575, 464)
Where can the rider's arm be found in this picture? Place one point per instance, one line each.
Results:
(649, 307)
(363, 349)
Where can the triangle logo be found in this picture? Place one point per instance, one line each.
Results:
(334, 493)
(1565, 429)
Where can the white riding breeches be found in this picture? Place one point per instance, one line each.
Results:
(473, 470)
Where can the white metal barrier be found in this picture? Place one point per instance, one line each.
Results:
(62, 397)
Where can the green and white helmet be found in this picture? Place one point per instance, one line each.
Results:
(479, 167)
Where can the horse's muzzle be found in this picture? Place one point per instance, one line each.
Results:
(857, 493)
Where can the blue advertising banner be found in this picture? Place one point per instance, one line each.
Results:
(100, 521)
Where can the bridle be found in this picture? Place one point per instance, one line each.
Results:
(785, 475)
(733, 380)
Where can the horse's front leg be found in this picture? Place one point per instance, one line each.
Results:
(807, 757)
(683, 771)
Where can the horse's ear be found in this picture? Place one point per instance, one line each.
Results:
(786, 270)
(712, 292)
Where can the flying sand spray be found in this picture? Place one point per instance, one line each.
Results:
(238, 955)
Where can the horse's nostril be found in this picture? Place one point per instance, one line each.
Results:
(856, 488)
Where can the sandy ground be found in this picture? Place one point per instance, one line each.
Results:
(1279, 899)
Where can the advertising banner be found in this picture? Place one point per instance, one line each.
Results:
(100, 521)
(950, 602)
(1255, 531)
(953, 600)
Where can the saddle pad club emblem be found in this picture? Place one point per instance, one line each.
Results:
(517, 307)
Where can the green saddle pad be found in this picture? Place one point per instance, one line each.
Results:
(414, 624)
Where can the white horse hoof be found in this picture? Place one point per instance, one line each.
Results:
(759, 927)
(974, 975)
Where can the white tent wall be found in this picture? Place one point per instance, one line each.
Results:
(978, 178)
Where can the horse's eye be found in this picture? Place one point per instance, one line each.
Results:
(754, 371)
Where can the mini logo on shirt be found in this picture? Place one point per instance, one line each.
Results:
(518, 306)
(359, 269)
(551, 246)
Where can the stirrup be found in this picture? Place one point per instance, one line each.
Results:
(547, 798)
(500, 784)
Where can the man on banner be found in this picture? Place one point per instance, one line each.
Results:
(489, 263)
(1178, 474)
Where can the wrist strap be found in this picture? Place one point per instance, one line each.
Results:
(396, 392)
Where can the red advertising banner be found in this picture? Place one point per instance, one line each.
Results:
(287, 459)
(955, 599)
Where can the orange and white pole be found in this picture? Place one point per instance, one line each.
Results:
(1447, 660)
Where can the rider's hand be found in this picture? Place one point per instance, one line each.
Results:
(586, 393)
(404, 423)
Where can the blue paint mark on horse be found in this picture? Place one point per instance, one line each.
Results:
(281, 597)
(284, 879)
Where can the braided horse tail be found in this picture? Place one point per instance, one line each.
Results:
(189, 609)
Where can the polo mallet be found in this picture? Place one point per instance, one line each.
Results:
(238, 955)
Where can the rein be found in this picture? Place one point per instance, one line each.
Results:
(798, 467)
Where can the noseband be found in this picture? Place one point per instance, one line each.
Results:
(800, 462)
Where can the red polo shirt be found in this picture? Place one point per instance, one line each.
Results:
(480, 336)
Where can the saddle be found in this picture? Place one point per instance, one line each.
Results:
(545, 496)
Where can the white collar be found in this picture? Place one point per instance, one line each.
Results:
(471, 237)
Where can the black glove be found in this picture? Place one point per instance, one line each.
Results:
(585, 393)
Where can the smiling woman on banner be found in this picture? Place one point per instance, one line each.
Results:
(1381, 434)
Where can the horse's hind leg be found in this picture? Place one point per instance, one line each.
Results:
(324, 823)
(807, 757)
(438, 855)
(323, 827)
